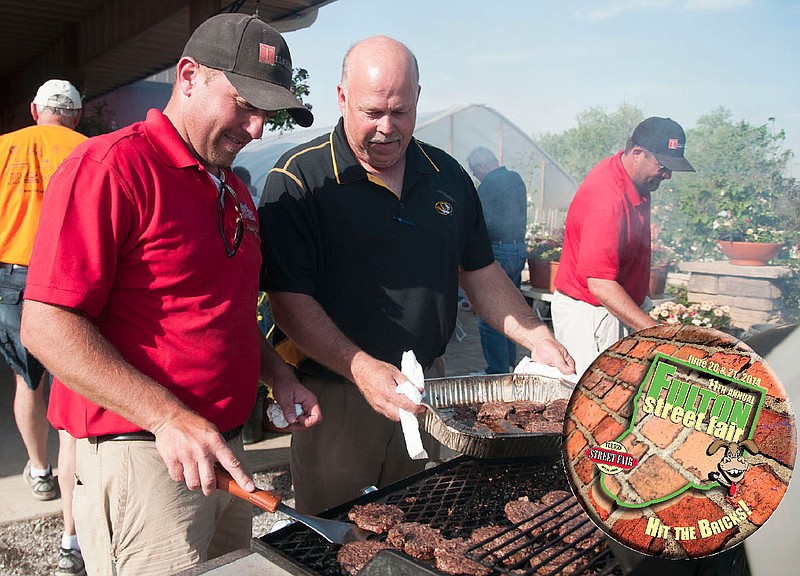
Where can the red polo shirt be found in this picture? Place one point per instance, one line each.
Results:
(607, 235)
(129, 234)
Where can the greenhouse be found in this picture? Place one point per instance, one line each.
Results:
(457, 130)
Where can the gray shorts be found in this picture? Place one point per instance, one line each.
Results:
(12, 287)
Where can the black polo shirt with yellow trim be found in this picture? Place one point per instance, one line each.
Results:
(385, 269)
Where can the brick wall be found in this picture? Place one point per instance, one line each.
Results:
(751, 291)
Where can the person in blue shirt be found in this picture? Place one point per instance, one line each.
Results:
(504, 200)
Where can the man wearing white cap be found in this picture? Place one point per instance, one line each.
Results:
(141, 301)
(29, 158)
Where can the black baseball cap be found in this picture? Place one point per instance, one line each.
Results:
(666, 140)
(254, 58)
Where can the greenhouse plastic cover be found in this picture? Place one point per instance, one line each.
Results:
(458, 131)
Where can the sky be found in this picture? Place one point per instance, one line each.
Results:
(542, 62)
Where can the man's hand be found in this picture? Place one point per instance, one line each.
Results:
(550, 351)
(190, 447)
(377, 381)
(287, 392)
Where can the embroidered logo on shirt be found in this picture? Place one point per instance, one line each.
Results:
(444, 208)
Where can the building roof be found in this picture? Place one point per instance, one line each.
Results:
(101, 45)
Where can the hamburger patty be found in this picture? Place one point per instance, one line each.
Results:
(376, 517)
(497, 535)
(451, 558)
(354, 555)
(415, 539)
(528, 514)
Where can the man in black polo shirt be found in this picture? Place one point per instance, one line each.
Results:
(367, 234)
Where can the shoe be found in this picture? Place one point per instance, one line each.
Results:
(43, 487)
(70, 563)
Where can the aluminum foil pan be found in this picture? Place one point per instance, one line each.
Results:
(443, 394)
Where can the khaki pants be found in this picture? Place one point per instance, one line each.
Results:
(352, 448)
(134, 520)
(585, 330)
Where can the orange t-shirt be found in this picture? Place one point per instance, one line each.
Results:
(28, 158)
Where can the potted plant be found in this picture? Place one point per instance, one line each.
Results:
(544, 254)
(662, 259)
(748, 230)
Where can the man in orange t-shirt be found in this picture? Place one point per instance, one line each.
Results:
(28, 158)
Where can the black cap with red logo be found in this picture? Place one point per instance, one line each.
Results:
(254, 58)
(666, 140)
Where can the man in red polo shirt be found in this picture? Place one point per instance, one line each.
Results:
(603, 279)
(141, 300)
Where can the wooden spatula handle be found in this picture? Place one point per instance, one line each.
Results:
(262, 498)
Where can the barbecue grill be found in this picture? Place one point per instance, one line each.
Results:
(456, 497)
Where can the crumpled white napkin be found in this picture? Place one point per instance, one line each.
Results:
(530, 366)
(277, 417)
(412, 389)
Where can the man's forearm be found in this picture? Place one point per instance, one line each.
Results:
(614, 299)
(74, 351)
(302, 318)
(273, 367)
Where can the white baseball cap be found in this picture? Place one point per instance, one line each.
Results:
(58, 94)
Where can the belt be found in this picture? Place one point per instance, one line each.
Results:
(11, 266)
(150, 437)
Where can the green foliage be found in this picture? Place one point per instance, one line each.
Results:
(282, 121)
(738, 192)
(98, 120)
(790, 295)
(598, 134)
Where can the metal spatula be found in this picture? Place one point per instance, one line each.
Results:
(332, 530)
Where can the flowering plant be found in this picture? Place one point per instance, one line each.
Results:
(662, 255)
(748, 232)
(747, 216)
(705, 314)
(543, 245)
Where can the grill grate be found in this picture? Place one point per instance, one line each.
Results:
(456, 497)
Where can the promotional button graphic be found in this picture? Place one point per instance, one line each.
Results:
(679, 441)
